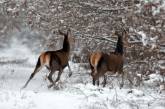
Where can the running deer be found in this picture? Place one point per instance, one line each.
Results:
(101, 63)
(55, 60)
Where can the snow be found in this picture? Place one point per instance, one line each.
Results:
(144, 38)
(156, 10)
(76, 92)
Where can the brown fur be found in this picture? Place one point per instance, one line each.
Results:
(112, 63)
(101, 63)
(54, 61)
(115, 62)
(94, 58)
(44, 59)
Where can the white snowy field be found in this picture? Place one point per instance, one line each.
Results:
(76, 92)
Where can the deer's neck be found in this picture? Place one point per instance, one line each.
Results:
(119, 45)
(66, 45)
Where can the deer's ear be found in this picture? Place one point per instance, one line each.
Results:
(68, 31)
(60, 32)
(126, 38)
(125, 31)
(113, 32)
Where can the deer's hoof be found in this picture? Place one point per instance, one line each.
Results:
(56, 87)
(49, 86)
(70, 74)
(121, 86)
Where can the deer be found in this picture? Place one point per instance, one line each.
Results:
(101, 63)
(54, 60)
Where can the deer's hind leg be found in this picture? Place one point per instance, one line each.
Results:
(55, 65)
(37, 69)
(50, 76)
(105, 81)
(57, 79)
(96, 79)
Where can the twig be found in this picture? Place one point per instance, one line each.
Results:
(99, 38)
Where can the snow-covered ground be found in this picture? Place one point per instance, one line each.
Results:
(76, 92)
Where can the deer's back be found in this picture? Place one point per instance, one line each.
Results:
(112, 62)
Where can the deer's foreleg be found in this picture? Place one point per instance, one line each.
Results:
(122, 79)
(70, 72)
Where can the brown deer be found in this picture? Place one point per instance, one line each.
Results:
(54, 60)
(101, 63)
